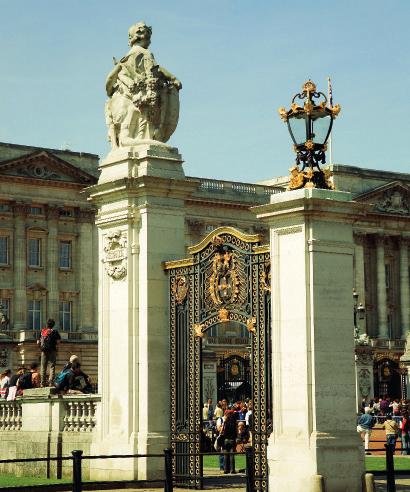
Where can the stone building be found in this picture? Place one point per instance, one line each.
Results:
(48, 269)
(47, 261)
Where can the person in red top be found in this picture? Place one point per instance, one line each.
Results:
(405, 429)
(48, 341)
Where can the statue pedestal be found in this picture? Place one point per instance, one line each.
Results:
(314, 439)
(148, 158)
(141, 223)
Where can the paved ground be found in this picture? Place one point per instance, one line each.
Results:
(402, 485)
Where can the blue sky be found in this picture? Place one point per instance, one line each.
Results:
(238, 61)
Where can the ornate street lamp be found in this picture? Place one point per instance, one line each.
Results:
(358, 313)
(309, 127)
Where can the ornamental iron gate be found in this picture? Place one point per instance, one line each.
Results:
(226, 279)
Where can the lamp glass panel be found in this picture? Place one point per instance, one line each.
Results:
(320, 129)
(298, 129)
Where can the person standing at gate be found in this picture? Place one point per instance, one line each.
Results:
(364, 426)
(405, 429)
(229, 441)
(391, 429)
(49, 338)
(210, 409)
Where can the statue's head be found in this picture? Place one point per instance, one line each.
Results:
(140, 34)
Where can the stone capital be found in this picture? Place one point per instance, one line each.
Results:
(53, 212)
(86, 216)
(380, 240)
(404, 240)
(20, 209)
(360, 238)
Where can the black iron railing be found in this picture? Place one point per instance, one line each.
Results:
(77, 459)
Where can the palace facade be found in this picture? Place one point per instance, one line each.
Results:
(48, 264)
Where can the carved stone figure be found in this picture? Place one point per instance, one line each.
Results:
(143, 99)
(395, 202)
(362, 339)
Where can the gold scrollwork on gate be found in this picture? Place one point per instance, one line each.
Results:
(250, 325)
(266, 277)
(180, 288)
(198, 330)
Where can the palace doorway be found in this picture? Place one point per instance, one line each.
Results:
(219, 295)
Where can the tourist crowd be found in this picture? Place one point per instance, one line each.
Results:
(392, 415)
(227, 428)
(70, 380)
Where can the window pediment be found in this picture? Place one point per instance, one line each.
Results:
(45, 166)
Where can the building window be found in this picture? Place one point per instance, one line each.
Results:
(5, 308)
(34, 252)
(4, 250)
(34, 315)
(65, 254)
(36, 210)
(66, 312)
(66, 212)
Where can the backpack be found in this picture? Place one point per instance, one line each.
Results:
(61, 377)
(46, 339)
(25, 381)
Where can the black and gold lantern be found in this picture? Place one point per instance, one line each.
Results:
(309, 125)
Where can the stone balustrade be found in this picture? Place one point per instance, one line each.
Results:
(76, 413)
(10, 415)
(390, 344)
(29, 335)
(80, 415)
(221, 186)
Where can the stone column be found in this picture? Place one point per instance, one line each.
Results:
(314, 437)
(381, 290)
(87, 281)
(404, 287)
(52, 264)
(20, 267)
(141, 221)
(359, 281)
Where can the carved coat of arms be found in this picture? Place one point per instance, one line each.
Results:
(115, 257)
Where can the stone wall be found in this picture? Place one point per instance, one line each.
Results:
(46, 426)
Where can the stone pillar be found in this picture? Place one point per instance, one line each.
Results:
(364, 375)
(20, 268)
(141, 221)
(52, 265)
(87, 280)
(381, 290)
(359, 281)
(314, 437)
(404, 287)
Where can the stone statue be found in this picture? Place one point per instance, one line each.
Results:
(143, 99)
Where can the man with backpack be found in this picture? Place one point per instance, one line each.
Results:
(49, 337)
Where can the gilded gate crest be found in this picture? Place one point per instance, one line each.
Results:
(224, 282)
